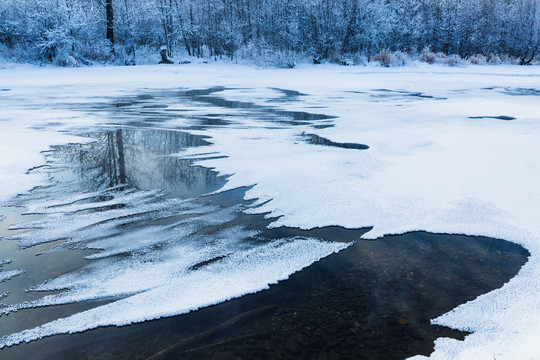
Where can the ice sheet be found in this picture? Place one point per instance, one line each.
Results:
(429, 166)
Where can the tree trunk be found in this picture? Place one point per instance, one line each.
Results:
(110, 21)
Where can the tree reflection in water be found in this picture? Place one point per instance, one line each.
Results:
(116, 163)
(140, 158)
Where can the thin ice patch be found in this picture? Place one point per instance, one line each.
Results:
(85, 201)
(76, 223)
(159, 235)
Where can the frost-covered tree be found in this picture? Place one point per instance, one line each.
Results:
(523, 35)
(65, 31)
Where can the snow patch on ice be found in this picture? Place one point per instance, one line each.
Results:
(9, 274)
(191, 252)
(68, 222)
(169, 289)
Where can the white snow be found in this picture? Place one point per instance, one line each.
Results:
(157, 293)
(429, 167)
(9, 274)
(20, 151)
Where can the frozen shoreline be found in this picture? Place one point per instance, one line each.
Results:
(429, 167)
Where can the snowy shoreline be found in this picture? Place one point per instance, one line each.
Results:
(431, 165)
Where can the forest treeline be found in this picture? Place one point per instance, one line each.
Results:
(64, 31)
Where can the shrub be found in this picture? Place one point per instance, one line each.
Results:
(453, 60)
(388, 58)
(266, 56)
(428, 56)
(477, 59)
(493, 59)
(384, 57)
(507, 59)
(440, 55)
(399, 58)
(335, 54)
(359, 59)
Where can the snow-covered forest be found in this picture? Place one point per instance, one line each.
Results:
(82, 31)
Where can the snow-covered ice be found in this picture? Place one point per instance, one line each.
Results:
(238, 274)
(8, 274)
(439, 160)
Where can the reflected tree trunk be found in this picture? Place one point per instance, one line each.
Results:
(121, 160)
(115, 164)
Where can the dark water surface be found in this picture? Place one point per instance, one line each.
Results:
(500, 117)
(373, 300)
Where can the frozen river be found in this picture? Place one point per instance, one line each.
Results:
(136, 194)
